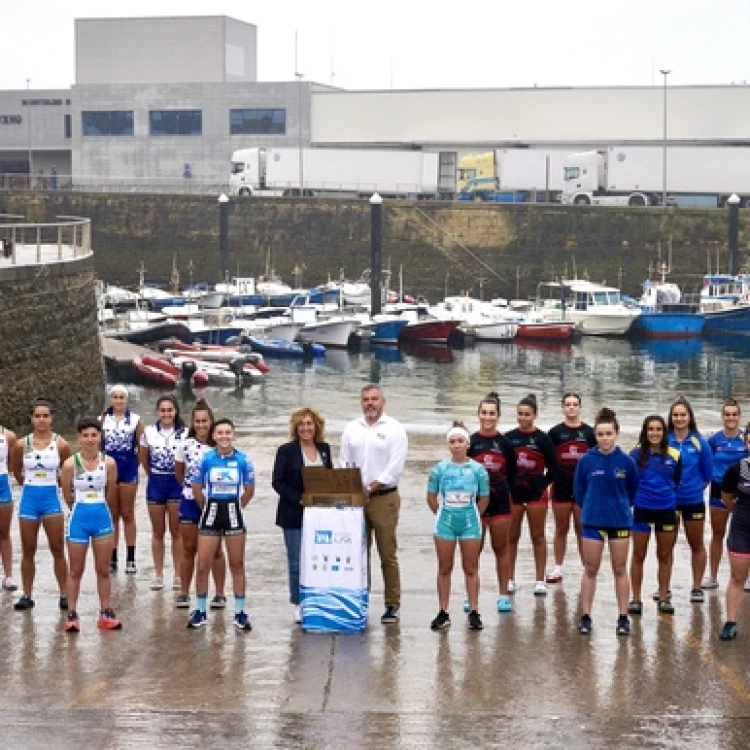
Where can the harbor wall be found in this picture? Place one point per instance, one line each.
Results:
(49, 342)
(504, 249)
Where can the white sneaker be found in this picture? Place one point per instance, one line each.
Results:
(9, 584)
(512, 587)
(176, 584)
(157, 584)
(540, 588)
(298, 614)
(709, 583)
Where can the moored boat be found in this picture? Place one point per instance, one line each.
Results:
(154, 375)
(429, 331)
(385, 332)
(285, 349)
(546, 330)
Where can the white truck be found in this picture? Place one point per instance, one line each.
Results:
(343, 172)
(702, 176)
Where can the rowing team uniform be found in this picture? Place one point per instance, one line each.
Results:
(727, 451)
(90, 517)
(190, 453)
(458, 488)
(697, 469)
(537, 466)
(737, 482)
(5, 494)
(224, 479)
(656, 500)
(162, 444)
(40, 496)
(571, 445)
(119, 442)
(496, 454)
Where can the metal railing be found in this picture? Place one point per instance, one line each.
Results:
(25, 244)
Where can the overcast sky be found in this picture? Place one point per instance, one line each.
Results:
(425, 44)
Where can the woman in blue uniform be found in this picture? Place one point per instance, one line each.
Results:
(458, 492)
(88, 479)
(728, 447)
(605, 484)
(7, 443)
(654, 505)
(37, 459)
(121, 434)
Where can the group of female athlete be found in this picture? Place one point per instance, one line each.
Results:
(198, 485)
(491, 481)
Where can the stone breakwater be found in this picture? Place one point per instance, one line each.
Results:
(49, 341)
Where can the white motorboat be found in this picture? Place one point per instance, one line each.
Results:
(331, 332)
(493, 330)
(356, 292)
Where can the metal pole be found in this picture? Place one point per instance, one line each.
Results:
(300, 140)
(733, 239)
(376, 252)
(224, 235)
(664, 73)
(28, 129)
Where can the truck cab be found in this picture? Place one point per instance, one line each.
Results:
(476, 166)
(583, 175)
(248, 171)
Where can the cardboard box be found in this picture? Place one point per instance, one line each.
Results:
(332, 487)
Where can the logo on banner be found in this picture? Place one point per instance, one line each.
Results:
(323, 537)
(342, 537)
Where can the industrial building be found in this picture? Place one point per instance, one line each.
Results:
(169, 115)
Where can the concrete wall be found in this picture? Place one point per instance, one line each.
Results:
(520, 244)
(49, 341)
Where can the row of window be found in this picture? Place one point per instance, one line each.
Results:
(182, 122)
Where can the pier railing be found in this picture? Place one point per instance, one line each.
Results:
(24, 244)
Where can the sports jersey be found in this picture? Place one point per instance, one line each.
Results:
(224, 477)
(118, 435)
(89, 485)
(657, 480)
(726, 452)
(571, 444)
(162, 447)
(190, 452)
(458, 486)
(90, 517)
(736, 482)
(535, 461)
(496, 454)
(697, 467)
(3, 452)
(40, 466)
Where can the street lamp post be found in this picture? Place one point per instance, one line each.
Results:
(28, 129)
(299, 145)
(664, 73)
(376, 252)
(224, 235)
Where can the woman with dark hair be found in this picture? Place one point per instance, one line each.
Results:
(537, 469)
(7, 443)
(735, 494)
(157, 452)
(187, 463)
(489, 448)
(37, 459)
(605, 484)
(571, 438)
(121, 435)
(655, 502)
(306, 447)
(697, 468)
(728, 447)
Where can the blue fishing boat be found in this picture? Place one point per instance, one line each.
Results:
(286, 349)
(725, 302)
(385, 332)
(664, 316)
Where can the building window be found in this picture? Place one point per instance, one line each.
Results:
(176, 122)
(257, 121)
(68, 126)
(107, 123)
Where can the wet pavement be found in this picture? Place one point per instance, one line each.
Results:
(527, 679)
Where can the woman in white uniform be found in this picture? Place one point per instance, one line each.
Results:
(7, 442)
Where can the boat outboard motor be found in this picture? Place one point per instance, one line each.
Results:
(187, 370)
(307, 350)
(237, 366)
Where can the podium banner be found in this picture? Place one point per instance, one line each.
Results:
(333, 570)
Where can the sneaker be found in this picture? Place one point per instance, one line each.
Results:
(665, 607)
(540, 588)
(475, 620)
(623, 625)
(113, 566)
(63, 603)
(157, 584)
(512, 587)
(297, 614)
(585, 624)
(130, 569)
(655, 595)
(183, 601)
(709, 583)
(504, 604)
(389, 616)
(697, 596)
(442, 621)
(197, 619)
(747, 584)
(242, 622)
(218, 602)
(108, 620)
(24, 603)
(635, 607)
(467, 606)
(555, 576)
(729, 631)
(9, 584)
(72, 623)
(176, 584)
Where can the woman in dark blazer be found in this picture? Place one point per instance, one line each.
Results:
(306, 432)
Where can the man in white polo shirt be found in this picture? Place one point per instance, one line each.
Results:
(377, 444)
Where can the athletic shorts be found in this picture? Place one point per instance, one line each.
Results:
(221, 517)
(715, 499)
(89, 521)
(600, 535)
(498, 508)
(127, 469)
(738, 538)
(38, 502)
(190, 511)
(458, 525)
(6, 496)
(162, 489)
(661, 520)
(695, 512)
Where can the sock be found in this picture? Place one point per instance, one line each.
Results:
(114, 555)
(131, 554)
(239, 604)
(731, 623)
(200, 600)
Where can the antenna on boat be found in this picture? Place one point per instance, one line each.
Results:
(141, 277)
(575, 270)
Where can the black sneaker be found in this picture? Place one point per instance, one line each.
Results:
(729, 631)
(666, 607)
(635, 607)
(475, 621)
(623, 625)
(442, 621)
(63, 602)
(24, 603)
(585, 624)
(389, 616)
